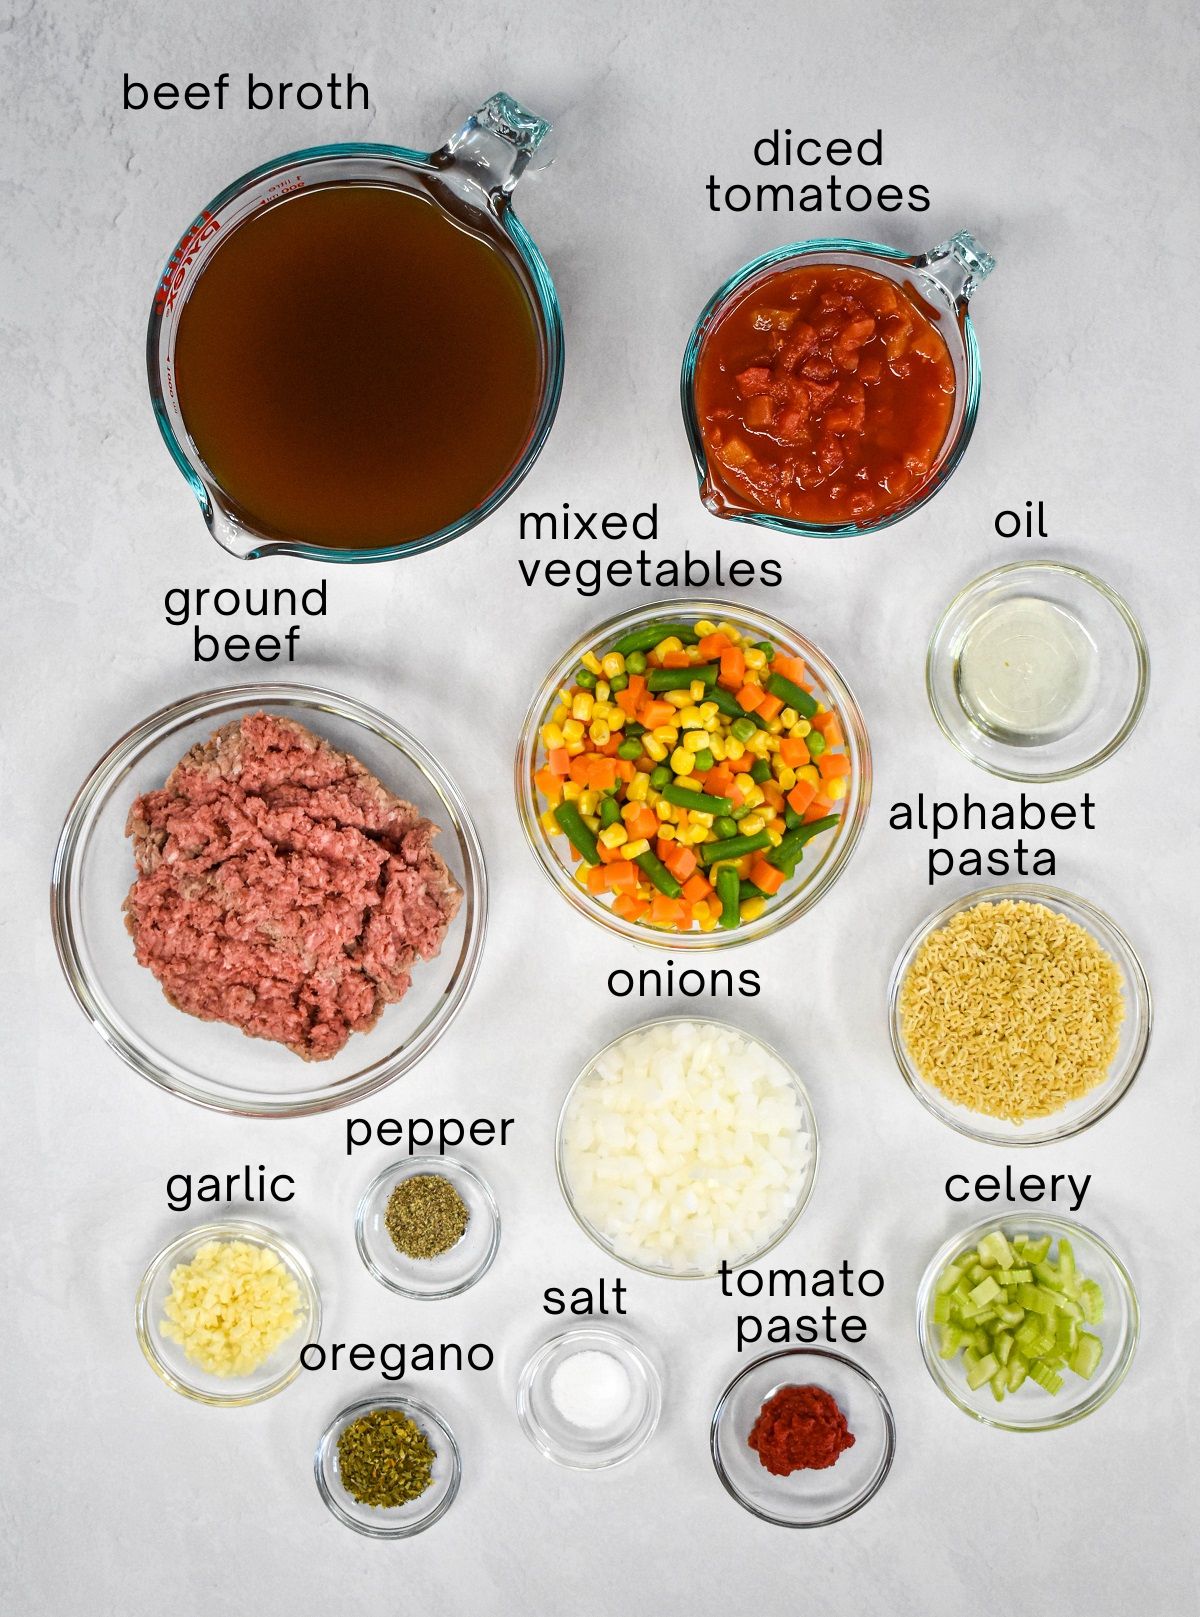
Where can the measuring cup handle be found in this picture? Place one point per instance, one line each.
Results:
(494, 147)
(959, 265)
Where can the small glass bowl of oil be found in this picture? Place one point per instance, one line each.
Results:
(1037, 671)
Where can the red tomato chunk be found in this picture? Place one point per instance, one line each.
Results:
(824, 394)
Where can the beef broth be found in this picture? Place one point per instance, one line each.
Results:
(355, 369)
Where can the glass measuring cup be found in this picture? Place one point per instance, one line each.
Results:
(945, 277)
(471, 178)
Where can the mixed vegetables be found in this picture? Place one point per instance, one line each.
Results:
(688, 765)
(1014, 1314)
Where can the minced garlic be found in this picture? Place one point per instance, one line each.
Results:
(231, 1307)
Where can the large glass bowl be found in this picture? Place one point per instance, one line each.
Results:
(824, 858)
(1121, 688)
(802, 1191)
(1078, 1114)
(945, 278)
(167, 1358)
(1030, 1409)
(211, 1063)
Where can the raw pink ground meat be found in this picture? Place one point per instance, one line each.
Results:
(282, 888)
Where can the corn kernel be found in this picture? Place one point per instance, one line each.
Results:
(564, 696)
(680, 699)
(552, 736)
(697, 689)
(663, 809)
(572, 791)
(692, 718)
(653, 748)
(788, 717)
(730, 633)
(809, 772)
(592, 821)
(703, 628)
(616, 718)
(589, 801)
(635, 849)
(603, 690)
(591, 662)
(599, 732)
(613, 836)
(752, 825)
(775, 836)
(708, 924)
(755, 659)
(580, 876)
(700, 911)
(550, 825)
(835, 790)
(576, 747)
(752, 794)
(638, 787)
(681, 761)
(581, 707)
(695, 741)
(572, 730)
(734, 749)
(561, 712)
(787, 778)
(709, 711)
(671, 643)
(716, 745)
(667, 832)
(613, 664)
(752, 909)
(821, 708)
(801, 729)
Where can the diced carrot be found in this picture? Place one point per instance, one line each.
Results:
(627, 700)
(715, 907)
(642, 824)
(636, 686)
(832, 765)
(559, 760)
(581, 768)
(622, 875)
(662, 848)
(733, 669)
(777, 824)
(766, 877)
(630, 908)
(801, 795)
(597, 879)
(675, 659)
(773, 792)
(549, 784)
(794, 751)
(829, 726)
(680, 861)
(625, 770)
(750, 697)
(770, 707)
(719, 780)
(790, 667)
(696, 888)
(817, 810)
(736, 796)
(654, 713)
(666, 911)
(603, 774)
(713, 645)
(608, 856)
(742, 765)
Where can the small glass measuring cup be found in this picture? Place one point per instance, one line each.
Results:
(472, 178)
(945, 277)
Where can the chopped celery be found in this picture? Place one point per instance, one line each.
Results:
(1016, 1312)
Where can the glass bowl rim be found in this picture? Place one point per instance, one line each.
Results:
(885, 1409)
(546, 308)
(150, 731)
(1126, 1349)
(537, 1359)
(798, 1085)
(413, 1408)
(1137, 638)
(856, 804)
(435, 1164)
(802, 249)
(229, 1229)
(1102, 927)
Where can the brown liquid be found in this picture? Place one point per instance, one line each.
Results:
(355, 369)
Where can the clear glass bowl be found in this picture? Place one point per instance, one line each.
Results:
(1077, 1114)
(824, 858)
(400, 1521)
(804, 1190)
(945, 277)
(1030, 1409)
(805, 1498)
(211, 1063)
(168, 1360)
(471, 178)
(450, 1272)
(562, 1441)
(1120, 691)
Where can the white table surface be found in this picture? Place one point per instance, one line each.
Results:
(1060, 135)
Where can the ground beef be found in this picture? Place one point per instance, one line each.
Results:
(282, 888)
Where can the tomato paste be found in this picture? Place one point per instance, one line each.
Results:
(800, 1429)
(824, 394)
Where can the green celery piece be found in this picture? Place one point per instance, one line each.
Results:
(1066, 1258)
(981, 1372)
(1002, 1345)
(977, 1273)
(1018, 1369)
(1018, 1277)
(1047, 1275)
(1011, 1315)
(994, 1249)
(970, 1358)
(1066, 1335)
(1046, 1378)
(948, 1279)
(1091, 1300)
(943, 1308)
(984, 1292)
(981, 1341)
(999, 1385)
(1035, 1251)
(952, 1338)
(1086, 1355)
(963, 1294)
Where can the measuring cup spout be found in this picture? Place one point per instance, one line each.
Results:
(958, 266)
(494, 147)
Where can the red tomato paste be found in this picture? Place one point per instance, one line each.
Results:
(800, 1429)
(824, 394)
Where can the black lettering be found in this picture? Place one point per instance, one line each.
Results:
(918, 198)
(966, 1187)
(133, 95)
(749, 1330)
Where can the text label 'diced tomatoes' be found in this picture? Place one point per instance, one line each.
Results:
(824, 395)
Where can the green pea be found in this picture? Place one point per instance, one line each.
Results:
(767, 649)
(703, 762)
(610, 812)
(585, 679)
(617, 683)
(631, 749)
(815, 742)
(635, 663)
(724, 826)
(661, 777)
(742, 729)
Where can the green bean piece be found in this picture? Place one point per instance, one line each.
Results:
(728, 891)
(791, 819)
(647, 638)
(760, 770)
(658, 874)
(742, 729)
(678, 679)
(815, 742)
(633, 728)
(610, 812)
(741, 811)
(734, 847)
(725, 826)
(660, 777)
(792, 695)
(581, 839)
(635, 663)
(702, 761)
(630, 750)
(747, 889)
(585, 679)
(793, 842)
(698, 802)
(728, 704)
